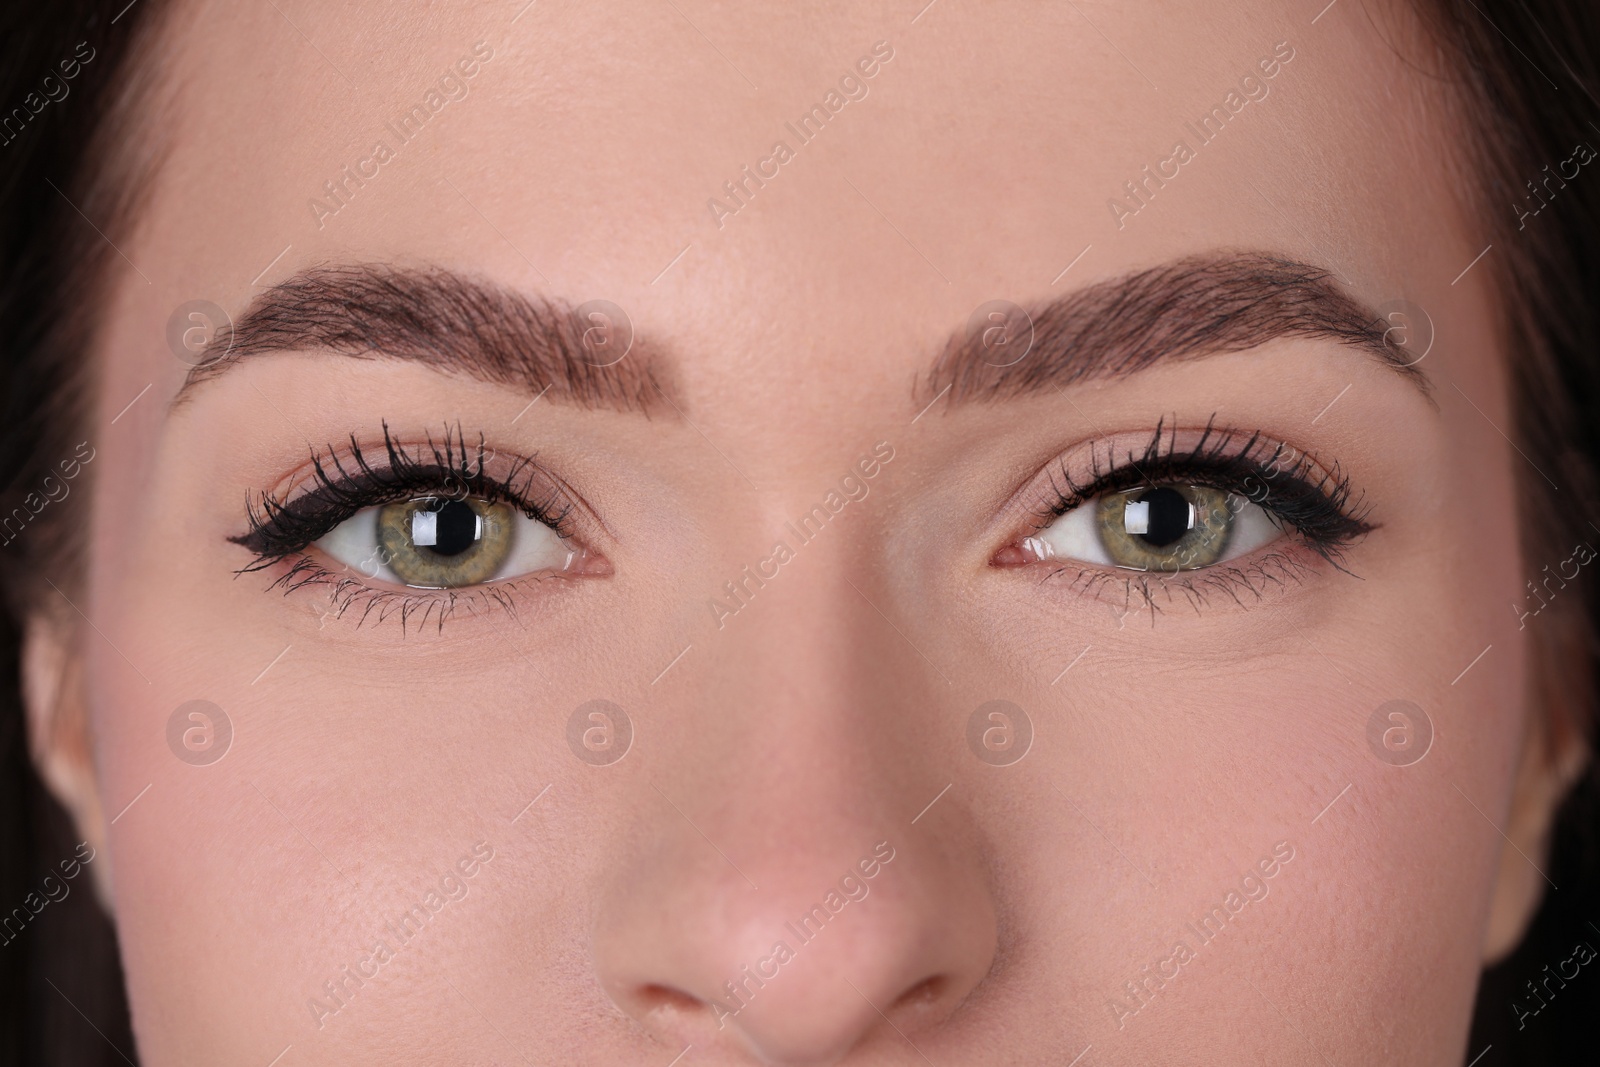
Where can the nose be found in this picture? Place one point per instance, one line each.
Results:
(785, 905)
(888, 937)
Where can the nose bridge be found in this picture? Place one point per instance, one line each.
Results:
(810, 625)
(790, 606)
(823, 697)
(785, 896)
(813, 699)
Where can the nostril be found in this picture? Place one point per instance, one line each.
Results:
(923, 995)
(655, 998)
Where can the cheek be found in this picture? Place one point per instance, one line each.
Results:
(1177, 754)
(348, 784)
(333, 815)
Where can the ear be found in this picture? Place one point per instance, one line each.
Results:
(1554, 754)
(57, 714)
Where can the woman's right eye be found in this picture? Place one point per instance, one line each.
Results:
(445, 543)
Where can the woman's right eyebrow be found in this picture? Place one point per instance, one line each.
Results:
(585, 355)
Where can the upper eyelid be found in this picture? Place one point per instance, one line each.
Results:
(1108, 455)
(1170, 469)
(1210, 446)
(333, 458)
(330, 471)
(1022, 512)
(448, 482)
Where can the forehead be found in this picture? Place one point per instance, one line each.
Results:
(794, 180)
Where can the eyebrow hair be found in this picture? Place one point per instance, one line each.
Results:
(442, 319)
(1186, 309)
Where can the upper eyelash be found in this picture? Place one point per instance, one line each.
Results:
(1316, 501)
(279, 528)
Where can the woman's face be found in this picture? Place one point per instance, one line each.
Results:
(814, 734)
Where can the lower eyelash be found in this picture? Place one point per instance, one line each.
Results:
(413, 608)
(1158, 591)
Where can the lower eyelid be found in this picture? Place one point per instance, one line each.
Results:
(340, 594)
(1240, 584)
(417, 607)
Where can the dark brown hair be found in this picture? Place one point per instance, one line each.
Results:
(72, 171)
(72, 81)
(1527, 75)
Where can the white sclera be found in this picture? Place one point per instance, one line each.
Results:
(1076, 535)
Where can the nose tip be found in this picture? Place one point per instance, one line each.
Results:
(798, 979)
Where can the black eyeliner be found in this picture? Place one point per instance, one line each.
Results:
(1317, 503)
(279, 528)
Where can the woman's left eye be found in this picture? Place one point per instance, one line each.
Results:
(445, 543)
(1169, 527)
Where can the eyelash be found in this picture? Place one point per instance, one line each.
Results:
(280, 529)
(1317, 503)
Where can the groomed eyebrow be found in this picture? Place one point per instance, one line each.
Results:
(1186, 309)
(442, 319)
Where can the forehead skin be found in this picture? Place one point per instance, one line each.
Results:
(828, 713)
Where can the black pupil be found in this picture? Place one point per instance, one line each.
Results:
(1169, 516)
(456, 529)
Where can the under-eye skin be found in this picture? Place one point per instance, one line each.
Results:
(1191, 515)
(422, 533)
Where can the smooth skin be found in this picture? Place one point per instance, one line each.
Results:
(774, 749)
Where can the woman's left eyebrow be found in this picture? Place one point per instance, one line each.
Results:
(1181, 310)
(451, 321)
